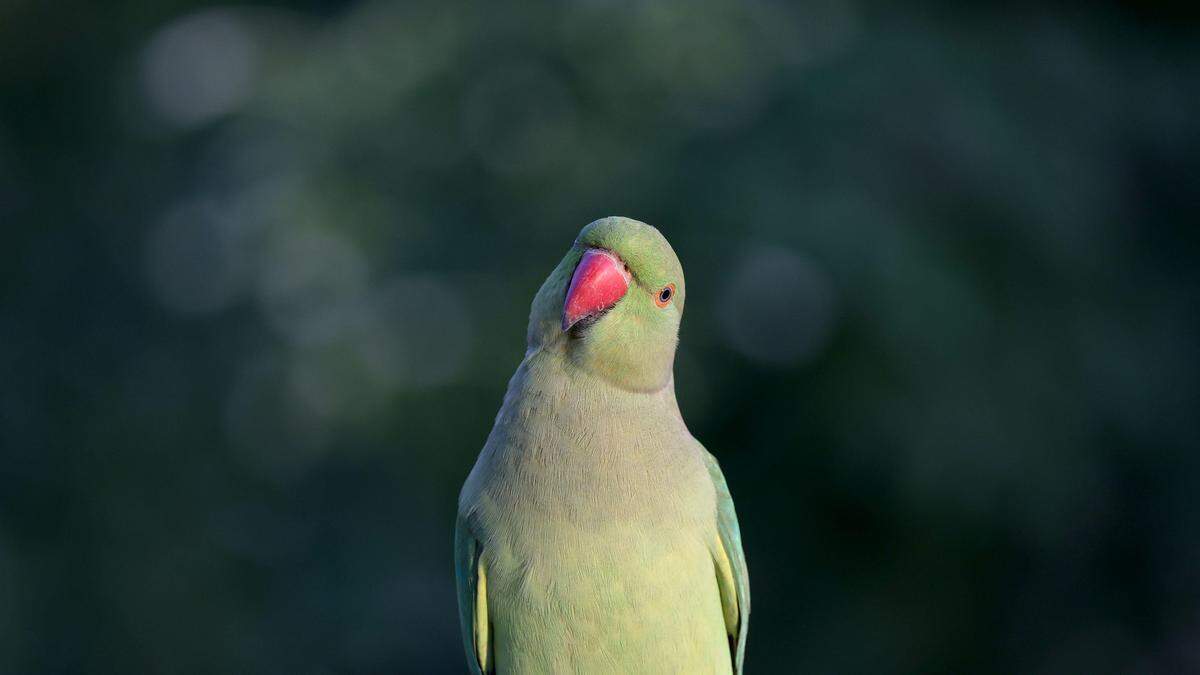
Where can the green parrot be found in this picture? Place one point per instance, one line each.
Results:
(594, 534)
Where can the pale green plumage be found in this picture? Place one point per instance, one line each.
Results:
(605, 532)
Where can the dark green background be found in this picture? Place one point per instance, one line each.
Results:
(266, 271)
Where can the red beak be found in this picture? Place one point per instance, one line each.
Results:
(600, 281)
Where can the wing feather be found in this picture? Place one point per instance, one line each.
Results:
(471, 578)
(732, 577)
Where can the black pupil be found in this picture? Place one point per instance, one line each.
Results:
(665, 295)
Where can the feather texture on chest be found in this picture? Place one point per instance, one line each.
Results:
(573, 450)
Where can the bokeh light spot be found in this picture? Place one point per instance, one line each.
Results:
(199, 67)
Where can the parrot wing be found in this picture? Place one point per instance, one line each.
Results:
(732, 579)
(471, 578)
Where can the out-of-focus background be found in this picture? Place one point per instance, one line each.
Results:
(266, 270)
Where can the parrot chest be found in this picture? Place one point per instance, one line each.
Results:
(597, 519)
(605, 568)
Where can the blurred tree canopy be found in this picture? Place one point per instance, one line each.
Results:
(267, 270)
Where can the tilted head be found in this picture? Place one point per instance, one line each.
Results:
(613, 304)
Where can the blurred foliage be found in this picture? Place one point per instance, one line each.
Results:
(267, 270)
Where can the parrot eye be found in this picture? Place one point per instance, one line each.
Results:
(664, 296)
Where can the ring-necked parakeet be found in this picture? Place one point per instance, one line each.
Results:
(594, 533)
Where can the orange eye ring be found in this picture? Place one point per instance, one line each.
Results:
(664, 295)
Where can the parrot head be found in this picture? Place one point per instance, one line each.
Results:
(613, 304)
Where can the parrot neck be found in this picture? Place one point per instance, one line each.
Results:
(610, 361)
(569, 445)
(588, 398)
